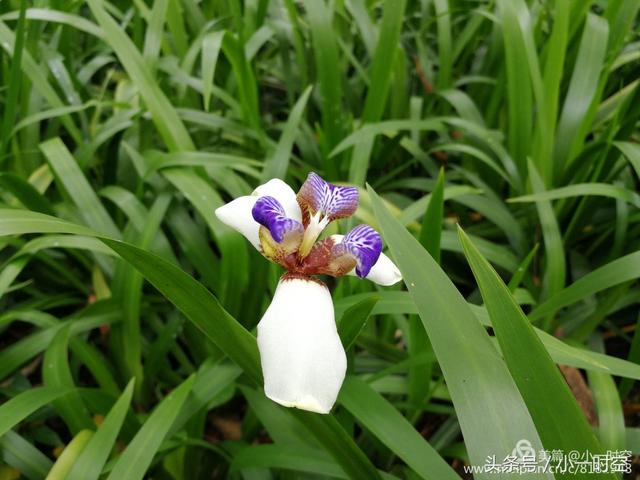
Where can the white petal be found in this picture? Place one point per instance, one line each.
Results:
(303, 361)
(384, 272)
(237, 215)
(282, 192)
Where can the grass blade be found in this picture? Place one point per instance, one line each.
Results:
(69, 455)
(479, 382)
(353, 320)
(610, 414)
(197, 303)
(392, 429)
(325, 50)
(24, 404)
(431, 230)
(89, 464)
(555, 412)
(581, 93)
(138, 455)
(57, 374)
(211, 44)
(164, 115)
(73, 182)
(13, 92)
(277, 164)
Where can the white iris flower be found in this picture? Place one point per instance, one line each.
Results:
(303, 360)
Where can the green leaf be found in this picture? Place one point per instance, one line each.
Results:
(56, 373)
(24, 404)
(633, 356)
(581, 93)
(211, 44)
(582, 190)
(26, 193)
(287, 457)
(383, 60)
(519, 86)
(521, 271)
(164, 115)
(14, 84)
(90, 462)
(611, 419)
(155, 30)
(353, 320)
(431, 230)
(380, 76)
(73, 182)
(233, 49)
(552, 82)
(613, 273)
(136, 458)
(329, 79)
(197, 303)
(477, 378)
(18, 452)
(39, 80)
(338, 443)
(381, 418)
(20, 352)
(555, 412)
(277, 164)
(19, 222)
(632, 152)
(555, 271)
(65, 461)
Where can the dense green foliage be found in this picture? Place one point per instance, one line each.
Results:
(128, 310)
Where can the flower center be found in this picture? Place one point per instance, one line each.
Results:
(294, 245)
(316, 224)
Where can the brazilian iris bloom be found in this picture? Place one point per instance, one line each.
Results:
(303, 360)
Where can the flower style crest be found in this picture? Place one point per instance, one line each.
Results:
(317, 197)
(302, 357)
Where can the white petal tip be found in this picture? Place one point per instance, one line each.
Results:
(388, 279)
(237, 215)
(308, 403)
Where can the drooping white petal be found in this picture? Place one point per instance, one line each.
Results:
(384, 272)
(237, 215)
(303, 361)
(282, 192)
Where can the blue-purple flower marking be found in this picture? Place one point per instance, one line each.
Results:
(331, 201)
(269, 213)
(365, 244)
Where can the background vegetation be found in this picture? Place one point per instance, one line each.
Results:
(126, 307)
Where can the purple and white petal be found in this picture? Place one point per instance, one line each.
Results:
(269, 213)
(365, 244)
(330, 201)
(384, 272)
(237, 215)
(284, 194)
